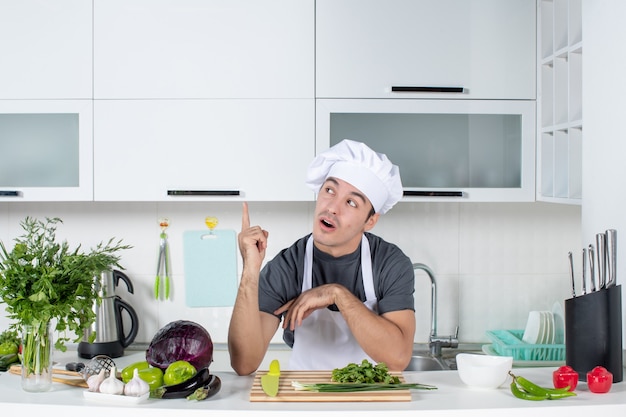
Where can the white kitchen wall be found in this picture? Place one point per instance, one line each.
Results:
(604, 148)
(494, 262)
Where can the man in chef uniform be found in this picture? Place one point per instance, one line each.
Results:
(343, 294)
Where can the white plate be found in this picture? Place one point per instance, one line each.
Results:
(552, 329)
(544, 328)
(114, 399)
(559, 324)
(532, 333)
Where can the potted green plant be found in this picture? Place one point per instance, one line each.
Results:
(48, 286)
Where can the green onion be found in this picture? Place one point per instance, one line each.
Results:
(347, 387)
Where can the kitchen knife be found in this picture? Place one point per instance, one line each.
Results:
(269, 381)
(592, 270)
(601, 259)
(571, 273)
(611, 255)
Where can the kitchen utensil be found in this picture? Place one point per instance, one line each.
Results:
(584, 273)
(571, 272)
(111, 336)
(211, 222)
(593, 332)
(210, 265)
(611, 252)
(287, 393)
(163, 264)
(601, 258)
(96, 364)
(75, 366)
(483, 371)
(592, 269)
(270, 381)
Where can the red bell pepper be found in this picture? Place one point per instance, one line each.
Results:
(599, 380)
(565, 376)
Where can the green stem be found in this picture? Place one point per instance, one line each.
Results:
(36, 348)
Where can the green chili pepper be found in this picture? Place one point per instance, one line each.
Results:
(524, 389)
(523, 395)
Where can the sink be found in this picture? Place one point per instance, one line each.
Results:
(427, 363)
(424, 361)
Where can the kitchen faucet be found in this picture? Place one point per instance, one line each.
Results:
(435, 342)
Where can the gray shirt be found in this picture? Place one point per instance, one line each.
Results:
(394, 279)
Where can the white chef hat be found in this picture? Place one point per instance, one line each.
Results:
(354, 162)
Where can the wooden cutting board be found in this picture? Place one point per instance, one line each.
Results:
(287, 393)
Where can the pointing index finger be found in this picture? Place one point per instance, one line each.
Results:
(245, 217)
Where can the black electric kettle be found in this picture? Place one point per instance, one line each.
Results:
(110, 336)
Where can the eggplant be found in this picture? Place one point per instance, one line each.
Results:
(185, 388)
(208, 390)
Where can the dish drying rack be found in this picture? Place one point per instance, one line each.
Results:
(510, 343)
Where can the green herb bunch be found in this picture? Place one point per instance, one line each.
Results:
(43, 281)
(364, 373)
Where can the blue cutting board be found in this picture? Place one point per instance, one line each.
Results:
(210, 268)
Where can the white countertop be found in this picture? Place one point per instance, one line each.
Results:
(451, 396)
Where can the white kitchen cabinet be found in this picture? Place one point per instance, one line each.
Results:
(46, 150)
(203, 49)
(559, 101)
(447, 150)
(365, 48)
(45, 49)
(199, 150)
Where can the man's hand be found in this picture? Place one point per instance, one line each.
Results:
(306, 303)
(252, 241)
(385, 338)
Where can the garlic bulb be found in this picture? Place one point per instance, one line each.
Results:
(112, 385)
(94, 381)
(136, 387)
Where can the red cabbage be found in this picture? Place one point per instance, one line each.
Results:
(181, 340)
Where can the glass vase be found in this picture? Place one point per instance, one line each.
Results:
(36, 357)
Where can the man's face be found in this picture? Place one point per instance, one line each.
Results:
(342, 214)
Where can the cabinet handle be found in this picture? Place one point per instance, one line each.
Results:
(9, 193)
(178, 193)
(409, 193)
(408, 89)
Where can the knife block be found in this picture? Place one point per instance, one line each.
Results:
(593, 332)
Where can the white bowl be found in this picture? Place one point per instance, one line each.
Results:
(483, 371)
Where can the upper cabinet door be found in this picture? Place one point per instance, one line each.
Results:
(203, 49)
(45, 49)
(484, 47)
(203, 150)
(46, 150)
